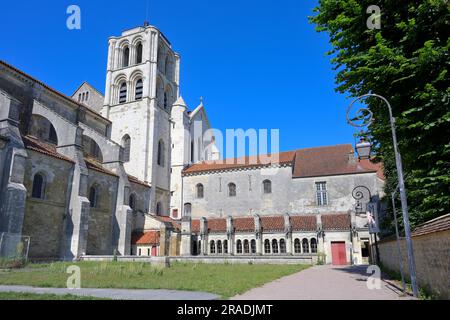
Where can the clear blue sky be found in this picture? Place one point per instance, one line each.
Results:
(257, 63)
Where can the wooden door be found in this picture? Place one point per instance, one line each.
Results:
(338, 253)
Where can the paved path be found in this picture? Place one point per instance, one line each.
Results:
(118, 294)
(323, 283)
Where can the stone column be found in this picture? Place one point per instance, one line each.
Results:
(321, 245)
(186, 236)
(204, 235)
(230, 235)
(288, 232)
(258, 233)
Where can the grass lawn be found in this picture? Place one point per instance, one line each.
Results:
(33, 296)
(226, 280)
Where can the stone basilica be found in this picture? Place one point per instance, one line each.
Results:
(136, 172)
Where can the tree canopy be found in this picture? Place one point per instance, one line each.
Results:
(406, 60)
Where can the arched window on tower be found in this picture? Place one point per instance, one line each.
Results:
(139, 90)
(123, 92)
(139, 53)
(159, 209)
(126, 57)
(38, 191)
(161, 152)
(126, 144)
(166, 100)
(267, 186)
(132, 202)
(231, 190)
(200, 190)
(93, 196)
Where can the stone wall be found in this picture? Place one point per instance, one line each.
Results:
(432, 258)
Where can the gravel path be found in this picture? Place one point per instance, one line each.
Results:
(323, 283)
(117, 294)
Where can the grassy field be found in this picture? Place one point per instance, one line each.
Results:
(226, 280)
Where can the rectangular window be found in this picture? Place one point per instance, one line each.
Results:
(321, 193)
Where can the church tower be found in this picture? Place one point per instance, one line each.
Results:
(142, 83)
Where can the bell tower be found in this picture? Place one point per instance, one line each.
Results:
(142, 83)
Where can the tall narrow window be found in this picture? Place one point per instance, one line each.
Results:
(52, 137)
(305, 245)
(267, 185)
(313, 245)
(192, 151)
(253, 246)
(225, 246)
(274, 246)
(38, 186)
(282, 246)
(126, 144)
(321, 193)
(231, 190)
(166, 103)
(123, 92)
(297, 246)
(161, 152)
(126, 57)
(219, 247)
(87, 96)
(239, 246)
(159, 209)
(246, 247)
(93, 197)
(187, 209)
(267, 246)
(200, 191)
(139, 53)
(212, 247)
(139, 90)
(132, 202)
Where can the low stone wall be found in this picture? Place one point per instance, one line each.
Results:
(166, 261)
(432, 259)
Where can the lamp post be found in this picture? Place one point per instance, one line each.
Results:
(366, 116)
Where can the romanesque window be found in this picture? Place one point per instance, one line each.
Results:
(52, 137)
(225, 246)
(297, 246)
(87, 96)
(126, 144)
(139, 53)
(132, 202)
(267, 185)
(282, 246)
(93, 197)
(313, 245)
(321, 193)
(139, 90)
(126, 57)
(253, 246)
(305, 245)
(159, 209)
(266, 246)
(200, 191)
(231, 190)
(167, 67)
(212, 247)
(239, 247)
(161, 152)
(38, 191)
(123, 92)
(274, 246)
(246, 247)
(192, 151)
(219, 247)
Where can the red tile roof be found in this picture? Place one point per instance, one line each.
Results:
(303, 223)
(436, 225)
(217, 225)
(243, 162)
(92, 164)
(272, 223)
(146, 238)
(166, 219)
(33, 143)
(339, 221)
(79, 105)
(195, 226)
(137, 181)
(327, 161)
(311, 162)
(244, 224)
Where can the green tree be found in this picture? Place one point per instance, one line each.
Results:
(406, 61)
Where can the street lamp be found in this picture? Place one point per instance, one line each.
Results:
(363, 149)
(366, 116)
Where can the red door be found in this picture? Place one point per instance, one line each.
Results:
(338, 253)
(154, 251)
